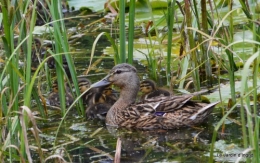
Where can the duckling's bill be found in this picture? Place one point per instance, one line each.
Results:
(103, 82)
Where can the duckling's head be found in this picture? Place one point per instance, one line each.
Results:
(36, 44)
(147, 86)
(84, 84)
(55, 86)
(107, 91)
(122, 75)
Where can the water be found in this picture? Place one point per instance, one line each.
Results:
(92, 4)
(87, 141)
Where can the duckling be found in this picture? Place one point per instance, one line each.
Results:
(110, 95)
(98, 100)
(98, 108)
(54, 99)
(38, 53)
(175, 111)
(84, 84)
(149, 90)
(101, 101)
(43, 15)
(96, 95)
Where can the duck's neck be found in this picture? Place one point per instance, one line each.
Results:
(127, 97)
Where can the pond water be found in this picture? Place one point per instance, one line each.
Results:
(81, 140)
(92, 4)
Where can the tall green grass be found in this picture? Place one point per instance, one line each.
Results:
(15, 140)
(16, 82)
(131, 31)
(122, 32)
(170, 22)
(62, 47)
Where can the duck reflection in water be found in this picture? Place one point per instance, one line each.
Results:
(161, 145)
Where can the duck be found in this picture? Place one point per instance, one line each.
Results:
(40, 52)
(166, 112)
(54, 99)
(149, 90)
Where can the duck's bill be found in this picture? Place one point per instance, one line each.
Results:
(103, 82)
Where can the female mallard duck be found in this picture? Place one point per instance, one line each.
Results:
(173, 112)
(54, 99)
(149, 90)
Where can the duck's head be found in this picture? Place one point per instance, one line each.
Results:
(122, 75)
(147, 86)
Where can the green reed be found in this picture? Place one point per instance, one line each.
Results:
(131, 28)
(191, 43)
(170, 22)
(122, 32)
(10, 86)
(16, 81)
(205, 53)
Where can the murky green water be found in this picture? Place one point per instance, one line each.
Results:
(86, 141)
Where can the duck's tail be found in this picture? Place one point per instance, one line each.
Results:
(211, 105)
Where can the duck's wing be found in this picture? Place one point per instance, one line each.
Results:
(190, 114)
(141, 109)
(203, 110)
(156, 106)
(169, 104)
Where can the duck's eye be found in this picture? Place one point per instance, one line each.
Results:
(118, 71)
